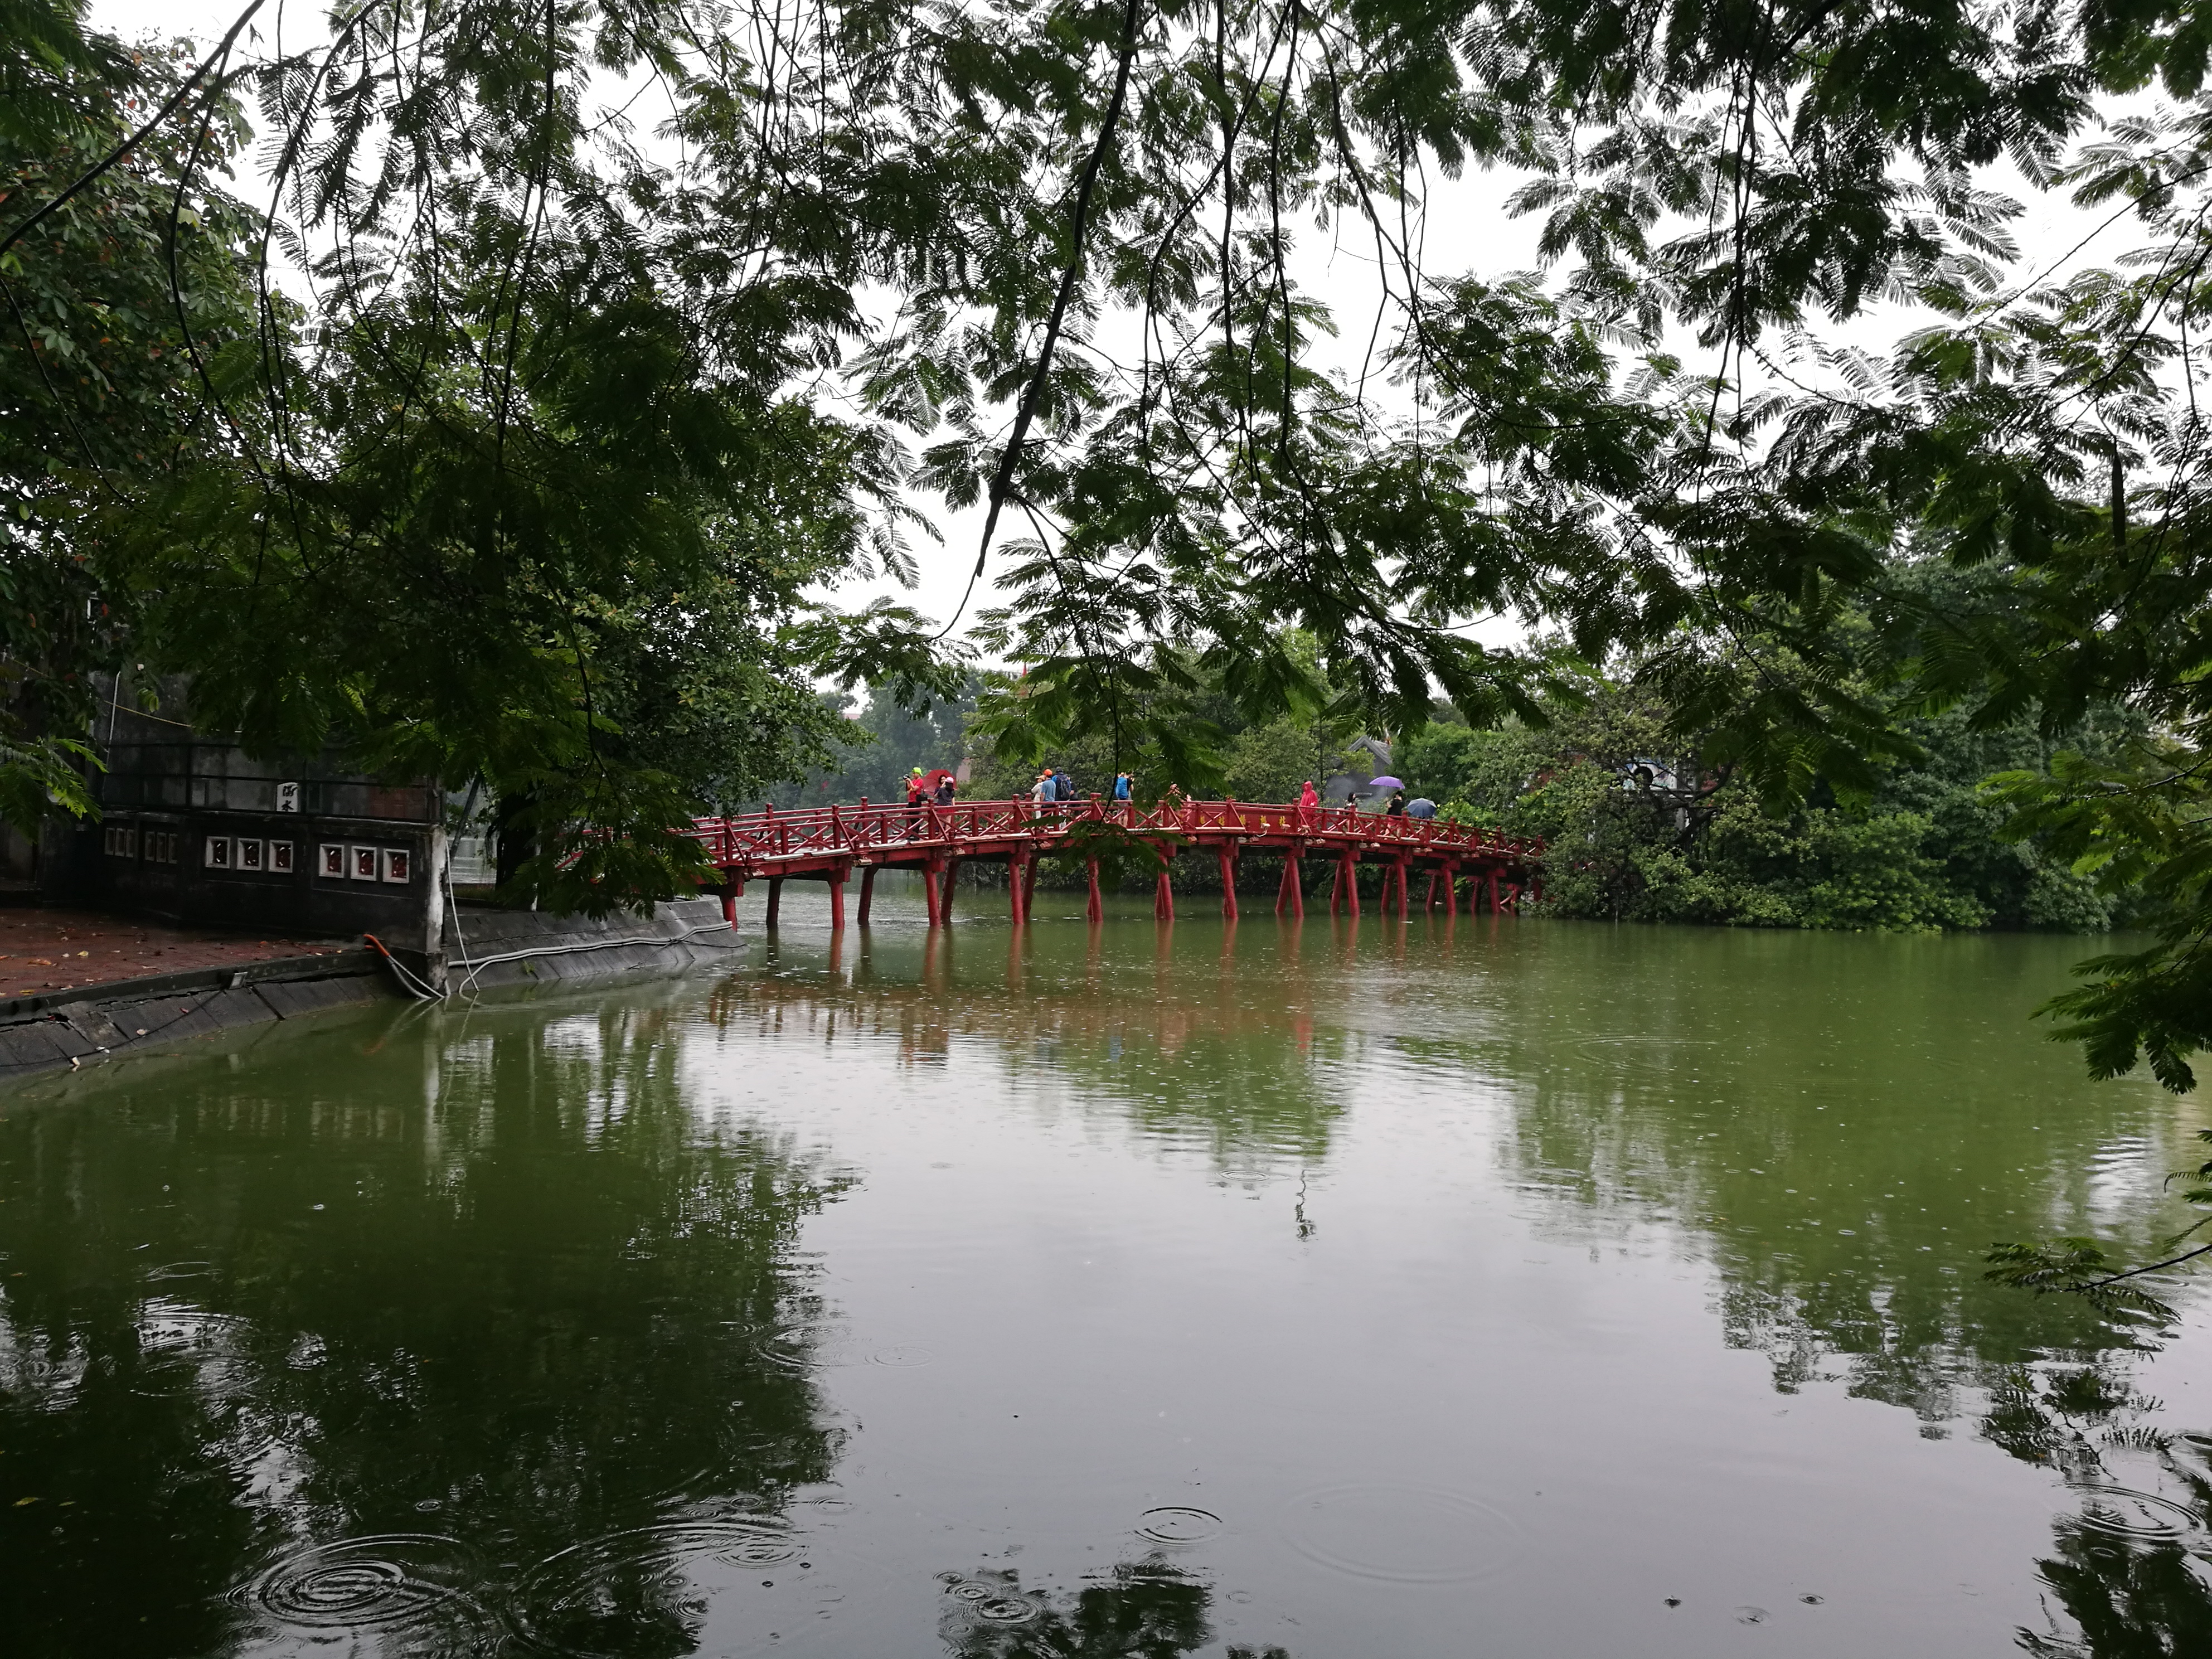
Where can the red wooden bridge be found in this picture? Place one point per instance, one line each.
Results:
(830, 843)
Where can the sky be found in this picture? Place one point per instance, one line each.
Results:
(1468, 231)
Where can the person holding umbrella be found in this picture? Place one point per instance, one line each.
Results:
(917, 792)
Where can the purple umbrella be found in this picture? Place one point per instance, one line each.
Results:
(1386, 783)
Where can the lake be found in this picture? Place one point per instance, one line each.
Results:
(1501, 1287)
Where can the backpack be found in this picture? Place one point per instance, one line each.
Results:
(1065, 786)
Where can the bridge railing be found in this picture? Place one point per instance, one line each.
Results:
(770, 835)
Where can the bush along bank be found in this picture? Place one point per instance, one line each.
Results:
(1637, 833)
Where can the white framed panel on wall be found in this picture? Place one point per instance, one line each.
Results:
(398, 863)
(330, 859)
(217, 855)
(361, 863)
(280, 858)
(249, 855)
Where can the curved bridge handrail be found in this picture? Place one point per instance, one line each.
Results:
(774, 836)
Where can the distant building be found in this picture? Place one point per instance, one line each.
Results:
(196, 831)
(1349, 783)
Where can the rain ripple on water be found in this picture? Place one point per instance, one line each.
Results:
(603, 1597)
(1402, 1534)
(1177, 1523)
(386, 1581)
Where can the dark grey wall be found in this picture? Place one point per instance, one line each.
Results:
(169, 792)
(160, 863)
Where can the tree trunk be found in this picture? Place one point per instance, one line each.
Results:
(517, 842)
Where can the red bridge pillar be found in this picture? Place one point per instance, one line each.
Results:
(1229, 883)
(1348, 884)
(1293, 888)
(1095, 908)
(837, 880)
(775, 900)
(867, 890)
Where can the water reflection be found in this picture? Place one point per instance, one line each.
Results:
(572, 1329)
(1146, 1609)
(342, 1344)
(2128, 1577)
(1204, 1056)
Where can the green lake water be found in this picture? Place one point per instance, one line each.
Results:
(1500, 1288)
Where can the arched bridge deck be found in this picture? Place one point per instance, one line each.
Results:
(830, 843)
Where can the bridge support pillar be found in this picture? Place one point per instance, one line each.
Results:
(1451, 890)
(1292, 891)
(1014, 874)
(1404, 904)
(837, 880)
(731, 892)
(1029, 886)
(929, 895)
(1495, 907)
(775, 901)
(1095, 908)
(1163, 895)
(1228, 855)
(1348, 884)
(944, 892)
(867, 893)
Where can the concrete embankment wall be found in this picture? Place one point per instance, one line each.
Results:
(98, 1022)
(485, 950)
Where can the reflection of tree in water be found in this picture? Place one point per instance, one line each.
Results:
(1246, 1078)
(1844, 1140)
(525, 1303)
(2128, 1574)
(1144, 1609)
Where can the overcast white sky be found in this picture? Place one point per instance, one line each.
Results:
(1468, 231)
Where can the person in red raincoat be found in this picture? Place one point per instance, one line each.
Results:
(1309, 803)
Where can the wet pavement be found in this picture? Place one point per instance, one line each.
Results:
(46, 950)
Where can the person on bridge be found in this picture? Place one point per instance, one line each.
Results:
(1042, 791)
(1395, 806)
(1123, 784)
(1421, 807)
(1064, 787)
(945, 792)
(917, 792)
(1309, 802)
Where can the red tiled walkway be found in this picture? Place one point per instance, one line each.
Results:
(43, 949)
